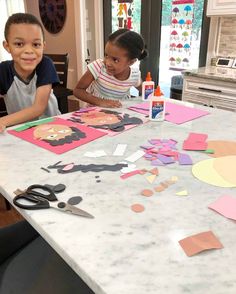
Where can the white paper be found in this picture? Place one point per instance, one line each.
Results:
(135, 156)
(120, 149)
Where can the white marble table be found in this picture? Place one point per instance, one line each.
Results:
(122, 252)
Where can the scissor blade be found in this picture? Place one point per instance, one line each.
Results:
(72, 209)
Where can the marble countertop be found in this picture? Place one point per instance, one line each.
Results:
(213, 72)
(119, 251)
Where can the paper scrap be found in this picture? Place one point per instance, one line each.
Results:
(130, 174)
(120, 149)
(135, 156)
(225, 205)
(182, 193)
(184, 159)
(200, 242)
(151, 178)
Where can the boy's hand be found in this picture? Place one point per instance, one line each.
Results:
(107, 103)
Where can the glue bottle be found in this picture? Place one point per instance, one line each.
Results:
(157, 106)
(147, 88)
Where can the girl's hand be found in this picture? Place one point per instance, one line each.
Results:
(2, 128)
(107, 103)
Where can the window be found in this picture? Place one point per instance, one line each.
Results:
(8, 7)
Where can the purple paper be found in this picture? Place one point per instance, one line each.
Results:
(165, 159)
(184, 159)
(157, 162)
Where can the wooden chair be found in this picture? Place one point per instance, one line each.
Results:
(61, 91)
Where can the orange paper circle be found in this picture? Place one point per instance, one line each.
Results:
(222, 148)
(147, 192)
(137, 208)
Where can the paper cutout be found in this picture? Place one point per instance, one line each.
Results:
(205, 171)
(130, 174)
(135, 156)
(137, 208)
(184, 159)
(70, 168)
(222, 148)
(226, 206)
(195, 141)
(128, 168)
(98, 153)
(31, 124)
(108, 121)
(200, 242)
(177, 113)
(147, 192)
(120, 149)
(58, 136)
(151, 178)
(165, 159)
(182, 193)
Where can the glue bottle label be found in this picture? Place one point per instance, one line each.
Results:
(157, 110)
(148, 91)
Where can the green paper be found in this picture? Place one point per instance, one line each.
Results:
(33, 124)
(209, 151)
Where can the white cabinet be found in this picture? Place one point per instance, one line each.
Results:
(210, 92)
(221, 7)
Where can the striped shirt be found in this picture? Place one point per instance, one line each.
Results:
(107, 86)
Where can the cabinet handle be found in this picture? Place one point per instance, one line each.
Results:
(212, 90)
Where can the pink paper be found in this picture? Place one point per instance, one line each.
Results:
(175, 113)
(192, 145)
(225, 205)
(90, 135)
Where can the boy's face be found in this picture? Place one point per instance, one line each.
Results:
(25, 44)
(117, 61)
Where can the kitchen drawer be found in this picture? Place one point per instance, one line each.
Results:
(224, 104)
(197, 99)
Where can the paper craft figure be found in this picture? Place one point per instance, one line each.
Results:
(59, 135)
(107, 120)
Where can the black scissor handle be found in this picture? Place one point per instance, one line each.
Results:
(39, 203)
(49, 195)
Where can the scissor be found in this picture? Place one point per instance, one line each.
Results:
(42, 197)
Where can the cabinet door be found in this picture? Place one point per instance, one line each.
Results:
(221, 7)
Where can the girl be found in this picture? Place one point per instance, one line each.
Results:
(108, 81)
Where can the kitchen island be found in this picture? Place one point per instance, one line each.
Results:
(120, 251)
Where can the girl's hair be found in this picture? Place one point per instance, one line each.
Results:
(131, 41)
(20, 18)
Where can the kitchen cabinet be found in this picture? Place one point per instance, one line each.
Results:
(210, 92)
(221, 7)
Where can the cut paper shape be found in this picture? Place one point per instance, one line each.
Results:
(165, 159)
(58, 136)
(137, 208)
(120, 149)
(205, 171)
(63, 169)
(128, 168)
(147, 192)
(177, 113)
(130, 174)
(184, 159)
(31, 124)
(226, 167)
(174, 179)
(159, 188)
(209, 151)
(135, 156)
(182, 193)
(222, 148)
(98, 153)
(200, 242)
(109, 121)
(151, 178)
(154, 171)
(226, 206)
(194, 146)
(74, 200)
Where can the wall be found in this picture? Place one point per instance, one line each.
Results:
(64, 41)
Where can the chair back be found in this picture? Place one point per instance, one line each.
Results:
(61, 64)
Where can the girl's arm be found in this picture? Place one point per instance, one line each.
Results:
(29, 113)
(81, 93)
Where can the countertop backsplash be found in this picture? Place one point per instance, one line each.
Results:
(227, 37)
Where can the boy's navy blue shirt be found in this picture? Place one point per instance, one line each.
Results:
(19, 94)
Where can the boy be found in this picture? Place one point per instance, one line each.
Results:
(26, 81)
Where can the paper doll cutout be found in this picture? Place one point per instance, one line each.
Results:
(57, 135)
(106, 119)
